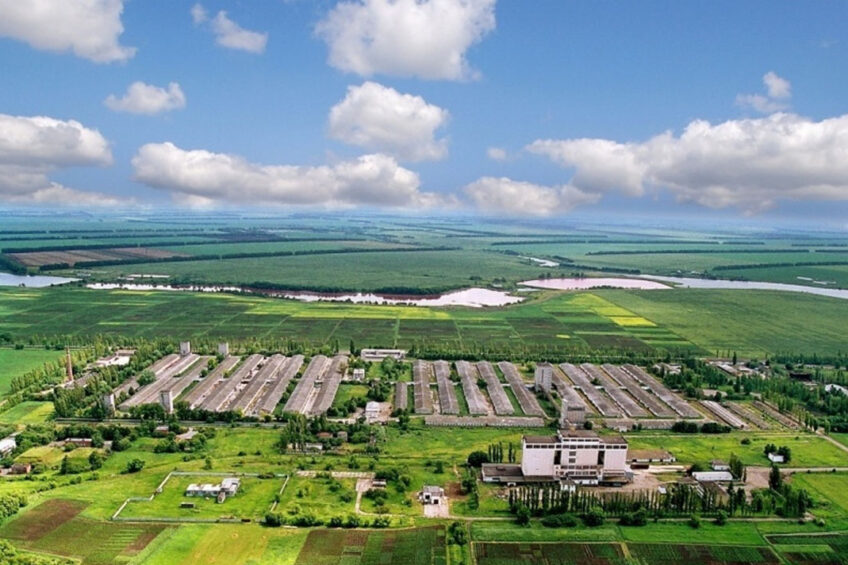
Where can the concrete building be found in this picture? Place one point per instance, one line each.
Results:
(223, 349)
(108, 402)
(372, 411)
(776, 457)
(719, 465)
(543, 377)
(712, 476)
(185, 348)
(166, 399)
(571, 414)
(227, 487)
(431, 494)
(7, 445)
(581, 456)
(377, 355)
(359, 375)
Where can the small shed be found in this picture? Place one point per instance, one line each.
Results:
(776, 458)
(719, 465)
(431, 494)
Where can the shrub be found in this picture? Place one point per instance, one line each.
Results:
(721, 518)
(694, 521)
(457, 534)
(134, 466)
(559, 521)
(593, 518)
(477, 458)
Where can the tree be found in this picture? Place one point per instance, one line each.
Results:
(457, 534)
(522, 515)
(95, 460)
(775, 479)
(694, 521)
(135, 465)
(721, 518)
(477, 458)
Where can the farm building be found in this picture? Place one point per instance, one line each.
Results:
(719, 465)
(651, 456)
(431, 494)
(578, 455)
(227, 487)
(776, 458)
(542, 378)
(712, 476)
(372, 411)
(78, 441)
(20, 469)
(377, 355)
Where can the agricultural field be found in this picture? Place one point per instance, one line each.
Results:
(27, 412)
(420, 546)
(16, 362)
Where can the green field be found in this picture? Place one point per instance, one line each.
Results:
(27, 412)
(15, 362)
(749, 322)
(830, 490)
(421, 546)
(807, 450)
(252, 501)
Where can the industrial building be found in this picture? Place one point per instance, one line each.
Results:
(581, 456)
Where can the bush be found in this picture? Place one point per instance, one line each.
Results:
(559, 521)
(522, 515)
(638, 518)
(134, 466)
(457, 534)
(694, 521)
(477, 458)
(593, 518)
(274, 519)
(721, 518)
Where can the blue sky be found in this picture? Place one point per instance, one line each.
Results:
(574, 98)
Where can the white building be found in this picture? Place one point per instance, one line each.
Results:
(719, 465)
(166, 399)
(185, 348)
(377, 355)
(578, 455)
(776, 457)
(712, 476)
(227, 487)
(7, 445)
(223, 349)
(359, 375)
(372, 411)
(431, 494)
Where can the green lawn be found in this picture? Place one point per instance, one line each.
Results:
(15, 362)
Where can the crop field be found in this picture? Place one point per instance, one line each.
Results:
(57, 527)
(252, 501)
(672, 554)
(828, 549)
(15, 362)
(549, 553)
(829, 490)
(420, 546)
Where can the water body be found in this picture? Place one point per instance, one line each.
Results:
(541, 262)
(8, 279)
(584, 283)
(471, 297)
(685, 282)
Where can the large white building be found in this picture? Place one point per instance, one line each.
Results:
(581, 456)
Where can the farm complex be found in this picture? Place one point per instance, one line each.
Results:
(202, 400)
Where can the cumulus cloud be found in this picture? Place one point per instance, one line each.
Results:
(228, 33)
(32, 147)
(422, 38)
(382, 119)
(496, 154)
(203, 177)
(506, 196)
(147, 99)
(89, 28)
(778, 92)
(750, 164)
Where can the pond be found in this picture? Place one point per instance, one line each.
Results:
(29, 281)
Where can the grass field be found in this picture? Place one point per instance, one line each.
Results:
(15, 362)
(807, 450)
(27, 412)
(252, 501)
(829, 490)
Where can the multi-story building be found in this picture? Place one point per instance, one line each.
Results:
(581, 456)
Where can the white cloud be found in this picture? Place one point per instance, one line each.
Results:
(506, 196)
(202, 177)
(229, 34)
(749, 163)
(382, 119)
(423, 38)
(199, 14)
(496, 154)
(89, 28)
(778, 90)
(147, 99)
(32, 147)
(776, 86)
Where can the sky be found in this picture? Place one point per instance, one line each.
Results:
(548, 108)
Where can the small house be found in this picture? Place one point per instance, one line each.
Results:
(342, 435)
(431, 494)
(372, 411)
(359, 375)
(776, 458)
(20, 469)
(719, 465)
(78, 441)
(378, 483)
